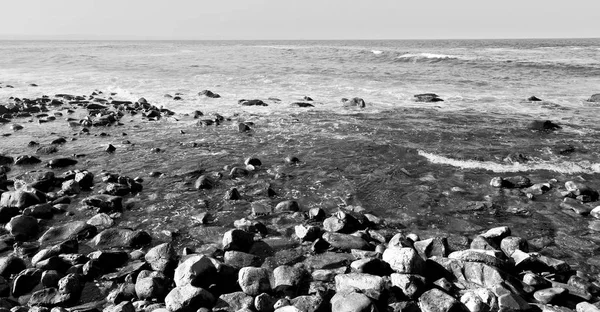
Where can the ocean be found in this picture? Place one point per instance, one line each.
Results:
(425, 167)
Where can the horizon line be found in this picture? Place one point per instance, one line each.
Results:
(49, 38)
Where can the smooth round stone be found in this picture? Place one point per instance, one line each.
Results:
(548, 294)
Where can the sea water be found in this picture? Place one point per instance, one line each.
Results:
(424, 167)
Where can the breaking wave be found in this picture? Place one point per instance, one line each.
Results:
(559, 166)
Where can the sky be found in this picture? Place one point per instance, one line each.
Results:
(298, 19)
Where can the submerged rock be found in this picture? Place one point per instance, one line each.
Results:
(543, 126)
(355, 102)
(428, 98)
(594, 98)
(209, 94)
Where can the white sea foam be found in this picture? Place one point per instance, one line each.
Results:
(377, 52)
(427, 56)
(558, 166)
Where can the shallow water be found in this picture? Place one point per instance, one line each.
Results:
(423, 167)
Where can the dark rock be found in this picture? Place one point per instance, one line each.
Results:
(238, 259)
(109, 259)
(236, 301)
(576, 206)
(543, 126)
(594, 98)
(70, 230)
(61, 162)
(110, 149)
(209, 94)
(357, 102)
(287, 206)
(252, 103)
(47, 150)
(203, 183)
(11, 265)
(428, 97)
(6, 160)
(533, 99)
(437, 246)
(23, 227)
(105, 203)
(301, 104)
(148, 288)
(197, 270)
(25, 281)
(59, 141)
(237, 240)
(253, 161)
(20, 199)
(410, 285)
(307, 233)
(244, 127)
(48, 297)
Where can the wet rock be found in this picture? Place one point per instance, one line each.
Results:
(6, 160)
(287, 206)
(404, 260)
(61, 162)
(25, 281)
(238, 259)
(475, 255)
(188, 299)
(244, 127)
(203, 183)
(84, 178)
(594, 98)
(233, 302)
(345, 241)
(71, 187)
(543, 126)
(162, 258)
(580, 189)
(232, 194)
(354, 102)
(209, 94)
(370, 265)
(109, 260)
(105, 203)
(23, 227)
(252, 103)
(497, 234)
(47, 150)
(411, 285)
(121, 237)
(11, 265)
(26, 160)
(48, 297)
(20, 199)
(533, 99)
(301, 104)
(264, 303)
(110, 148)
(576, 206)
(16, 127)
(586, 306)
(428, 98)
(101, 221)
(254, 281)
(197, 270)
(350, 301)
(237, 240)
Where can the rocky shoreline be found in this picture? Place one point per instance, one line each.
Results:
(347, 260)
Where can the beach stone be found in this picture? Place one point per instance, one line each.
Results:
(509, 244)
(11, 264)
(148, 288)
(252, 103)
(40, 211)
(474, 303)
(578, 189)
(474, 255)
(345, 241)
(594, 98)
(437, 246)
(70, 230)
(309, 303)
(61, 162)
(404, 260)
(23, 160)
(109, 260)
(101, 221)
(125, 306)
(162, 258)
(543, 126)
(549, 294)
(23, 227)
(48, 297)
(25, 281)
(512, 302)
(534, 98)
(586, 306)
(264, 303)
(233, 302)
(535, 280)
(244, 127)
(121, 237)
(328, 260)
(105, 203)
(238, 259)
(84, 178)
(351, 301)
(209, 94)
(373, 266)
(71, 187)
(482, 274)
(428, 98)
(287, 206)
(197, 270)
(575, 205)
(371, 285)
(261, 207)
(238, 240)
(307, 233)
(287, 279)
(411, 285)
(203, 183)
(435, 300)
(19, 199)
(595, 212)
(254, 281)
(482, 243)
(188, 298)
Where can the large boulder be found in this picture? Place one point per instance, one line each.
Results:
(594, 98)
(197, 270)
(404, 260)
(368, 284)
(21, 199)
(75, 229)
(162, 258)
(350, 301)
(188, 298)
(254, 281)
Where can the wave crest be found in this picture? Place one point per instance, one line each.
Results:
(566, 167)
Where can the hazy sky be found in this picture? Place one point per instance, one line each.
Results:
(298, 19)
